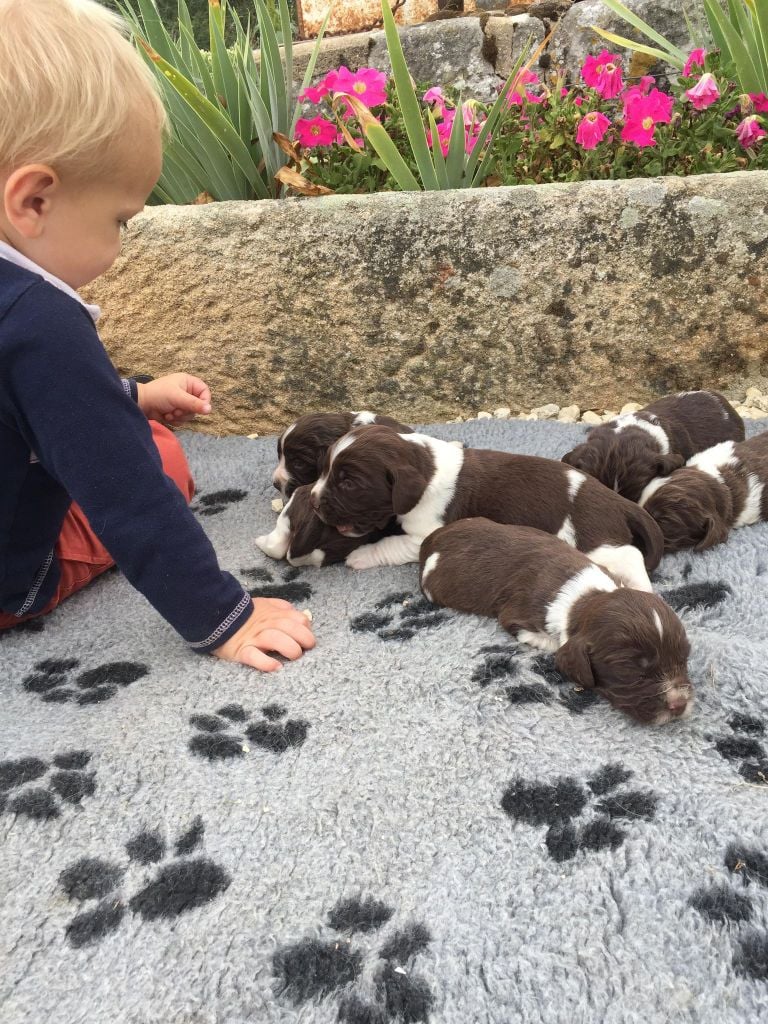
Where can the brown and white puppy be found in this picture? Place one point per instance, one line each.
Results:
(375, 473)
(301, 449)
(628, 645)
(627, 453)
(303, 539)
(717, 491)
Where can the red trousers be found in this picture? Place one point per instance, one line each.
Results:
(81, 555)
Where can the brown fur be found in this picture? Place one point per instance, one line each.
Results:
(629, 460)
(308, 533)
(382, 475)
(695, 510)
(513, 573)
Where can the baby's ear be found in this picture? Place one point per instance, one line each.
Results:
(573, 661)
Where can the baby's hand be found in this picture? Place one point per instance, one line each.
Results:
(176, 398)
(275, 625)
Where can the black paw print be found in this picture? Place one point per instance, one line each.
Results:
(408, 611)
(744, 747)
(216, 501)
(268, 732)
(729, 904)
(176, 887)
(708, 594)
(370, 985)
(291, 589)
(69, 783)
(52, 680)
(542, 683)
(30, 626)
(557, 804)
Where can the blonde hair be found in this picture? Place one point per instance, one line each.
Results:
(71, 86)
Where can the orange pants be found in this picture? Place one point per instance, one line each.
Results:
(81, 555)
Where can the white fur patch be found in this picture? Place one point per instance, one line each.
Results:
(567, 532)
(388, 551)
(315, 558)
(364, 419)
(540, 640)
(281, 477)
(751, 513)
(275, 544)
(714, 459)
(428, 514)
(575, 479)
(626, 562)
(559, 609)
(657, 621)
(429, 565)
(651, 488)
(657, 432)
(341, 445)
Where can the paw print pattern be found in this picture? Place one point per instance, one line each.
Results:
(541, 682)
(690, 596)
(399, 616)
(369, 984)
(557, 804)
(30, 626)
(729, 903)
(68, 783)
(176, 887)
(216, 501)
(744, 747)
(52, 680)
(290, 589)
(270, 732)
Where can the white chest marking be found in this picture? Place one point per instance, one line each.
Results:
(751, 513)
(429, 513)
(575, 479)
(714, 459)
(558, 611)
(656, 430)
(651, 488)
(657, 621)
(364, 419)
(567, 532)
(429, 565)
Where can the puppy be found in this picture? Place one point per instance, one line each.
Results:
(716, 492)
(374, 473)
(629, 646)
(627, 453)
(301, 449)
(303, 539)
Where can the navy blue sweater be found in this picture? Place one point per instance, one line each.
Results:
(70, 430)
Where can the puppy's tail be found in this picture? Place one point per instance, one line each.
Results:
(646, 534)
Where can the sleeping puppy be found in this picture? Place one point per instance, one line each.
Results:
(629, 646)
(716, 492)
(375, 473)
(302, 447)
(627, 453)
(303, 539)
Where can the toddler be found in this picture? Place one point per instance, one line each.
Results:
(89, 474)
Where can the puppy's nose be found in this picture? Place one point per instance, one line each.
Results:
(677, 703)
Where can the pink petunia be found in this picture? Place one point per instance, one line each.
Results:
(642, 116)
(578, 100)
(433, 95)
(759, 102)
(367, 84)
(592, 129)
(750, 132)
(315, 131)
(704, 93)
(312, 94)
(695, 59)
(655, 104)
(522, 79)
(564, 92)
(603, 74)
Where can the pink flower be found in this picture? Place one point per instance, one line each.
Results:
(316, 131)
(515, 95)
(656, 105)
(695, 59)
(313, 95)
(760, 102)
(603, 74)
(592, 129)
(578, 100)
(704, 93)
(564, 92)
(646, 82)
(750, 132)
(367, 84)
(433, 95)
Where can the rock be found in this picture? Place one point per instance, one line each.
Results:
(431, 340)
(443, 53)
(545, 412)
(570, 414)
(609, 415)
(630, 407)
(508, 36)
(575, 37)
(755, 399)
(277, 504)
(549, 9)
(502, 414)
(592, 418)
(484, 416)
(251, 437)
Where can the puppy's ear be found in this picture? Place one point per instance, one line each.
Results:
(666, 464)
(715, 532)
(576, 458)
(573, 661)
(408, 485)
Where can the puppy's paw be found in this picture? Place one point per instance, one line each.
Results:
(274, 544)
(362, 558)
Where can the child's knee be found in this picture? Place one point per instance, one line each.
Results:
(173, 458)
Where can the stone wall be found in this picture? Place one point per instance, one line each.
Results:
(428, 305)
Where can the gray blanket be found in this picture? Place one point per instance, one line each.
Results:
(420, 821)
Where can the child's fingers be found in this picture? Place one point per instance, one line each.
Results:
(299, 631)
(261, 603)
(278, 641)
(254, 658)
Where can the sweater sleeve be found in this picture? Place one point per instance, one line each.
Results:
(89, 434)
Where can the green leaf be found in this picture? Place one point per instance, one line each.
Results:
(629, 16)
(437, 153)
(456, 160)
(749, 76)
(630, 44)
(393, 161)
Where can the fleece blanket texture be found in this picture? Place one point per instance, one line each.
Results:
(420, 821)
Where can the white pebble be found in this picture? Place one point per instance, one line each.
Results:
(592, 418)
(630, 407)
(308, 614)
(546, 412)
(277, 504)
(484, 416)
(570, 414)
(251, 437)
(503, 413)
(752, 395)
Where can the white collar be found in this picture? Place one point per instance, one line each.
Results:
(7, 252)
